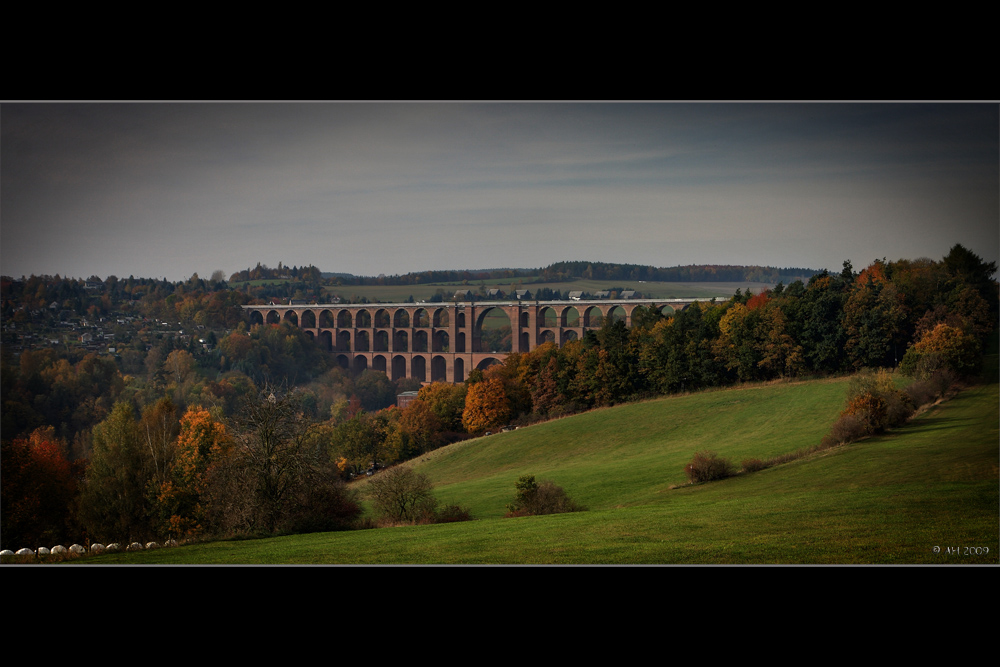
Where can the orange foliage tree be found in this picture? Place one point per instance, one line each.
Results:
(202, 442)
(486, 405)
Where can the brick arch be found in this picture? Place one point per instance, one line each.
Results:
(487, 362)
(612, 313)
(477, 332)
(308, 320)
(382, 319)
(363, 319)
(398, 367)
(344, 319)
(570, 317)
(291, 317)
(441, 341)
(441, 318)
(419, 341)
(547, 317)
(273, 317)
(418, 367)
(326, 320)
(361, 342)
(256, 317)
(593, 316)
(401, 319)
(360, 364)
(421, 319)
(439, 369)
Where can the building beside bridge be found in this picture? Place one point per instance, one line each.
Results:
(443, 342)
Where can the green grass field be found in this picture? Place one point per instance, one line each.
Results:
(652, 290)
(885, 500)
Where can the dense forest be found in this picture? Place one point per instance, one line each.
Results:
(137, 409)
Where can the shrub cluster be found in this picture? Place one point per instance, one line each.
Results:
(706, 466)
(451, 514)
(531, 498)
(400, 495)
(873, 405)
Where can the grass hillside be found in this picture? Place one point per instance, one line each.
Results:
(889, 499)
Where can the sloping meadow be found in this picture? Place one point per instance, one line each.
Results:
(924, 493)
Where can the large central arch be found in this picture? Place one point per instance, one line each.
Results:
(492, 331)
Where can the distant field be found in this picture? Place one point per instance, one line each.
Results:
(652, 290)
(890, 499)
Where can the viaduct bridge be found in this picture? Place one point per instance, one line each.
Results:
(443, 342)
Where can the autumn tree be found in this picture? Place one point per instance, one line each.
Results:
(738, 345)
(179, 364)
(446, 401)
(873, 317)
(942, 347)
(422, 426)
(361, 440)
(37, 487)
(202, 443)
(486, 406)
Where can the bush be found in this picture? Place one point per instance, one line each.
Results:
(706, 466)
(451, 514)
(846, 429)
(320, 506)
(874, 400)
(752, 465)
(532, 499)
(401, 495)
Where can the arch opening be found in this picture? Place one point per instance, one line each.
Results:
(492, 332)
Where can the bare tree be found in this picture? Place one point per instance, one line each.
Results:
(269, 432)
(399, 494)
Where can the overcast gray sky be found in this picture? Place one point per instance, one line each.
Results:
(170, 189)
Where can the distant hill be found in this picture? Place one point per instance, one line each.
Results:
(569, 271)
